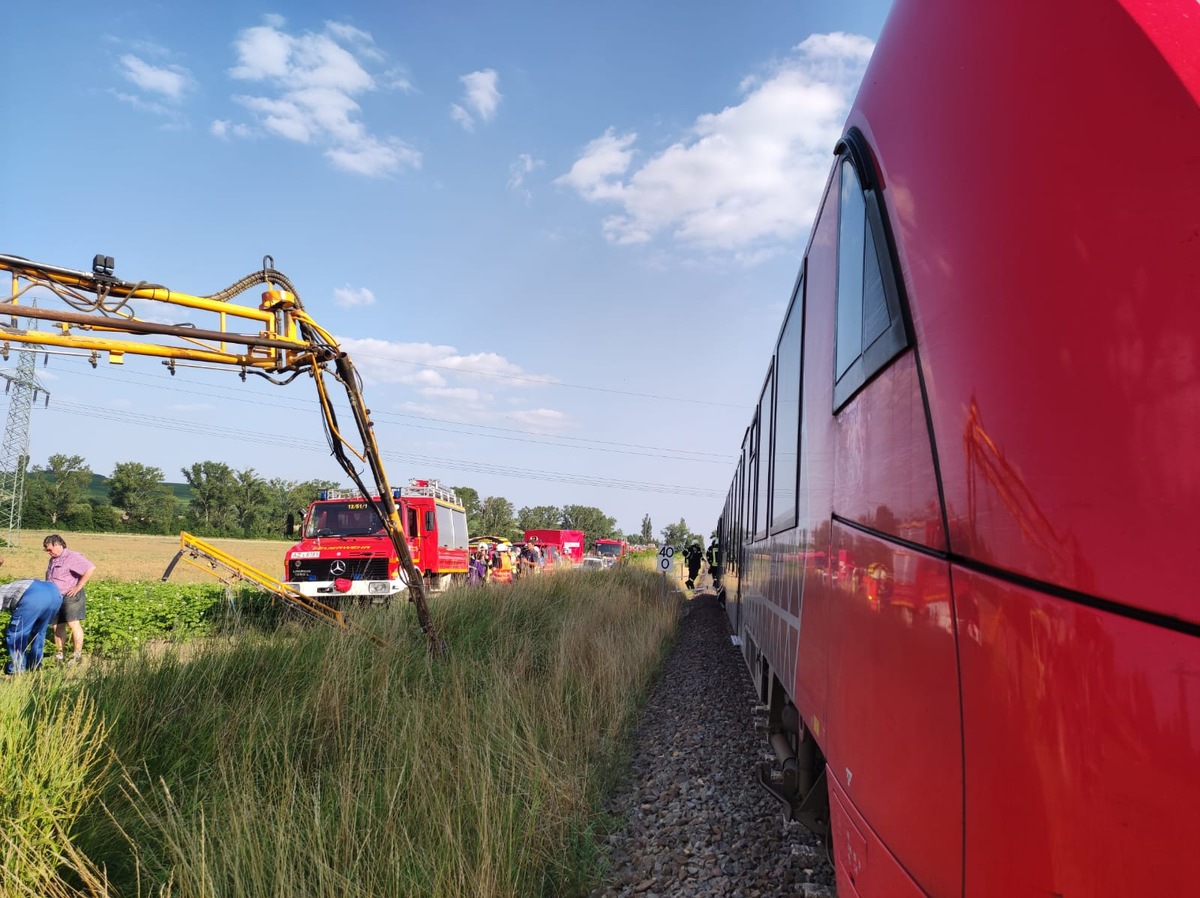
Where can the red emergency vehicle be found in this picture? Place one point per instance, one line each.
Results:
(568, 542)
(346, 552)
(613, 550)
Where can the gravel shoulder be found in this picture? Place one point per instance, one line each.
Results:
(696, 823)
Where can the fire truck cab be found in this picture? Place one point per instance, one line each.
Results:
(345, 551)
(611, 550)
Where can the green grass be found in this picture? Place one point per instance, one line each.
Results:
(53, 760)
(310, 762)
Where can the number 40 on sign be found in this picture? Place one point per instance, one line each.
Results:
(666, 558)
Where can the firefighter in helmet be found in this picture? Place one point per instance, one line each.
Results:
(693, 554)
(713, 557)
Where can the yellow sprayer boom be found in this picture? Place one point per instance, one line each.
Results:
(230, 570)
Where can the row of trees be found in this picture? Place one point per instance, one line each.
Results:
(218, 501)
(496, 516)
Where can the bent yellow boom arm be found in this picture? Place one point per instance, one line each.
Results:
(97, 314)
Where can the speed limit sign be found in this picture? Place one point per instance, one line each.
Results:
(666, 558)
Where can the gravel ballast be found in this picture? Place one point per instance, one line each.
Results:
(696, 823)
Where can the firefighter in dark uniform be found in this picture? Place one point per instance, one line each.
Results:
(713, 556)
(693, 555)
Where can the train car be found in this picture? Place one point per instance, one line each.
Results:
(961, 535)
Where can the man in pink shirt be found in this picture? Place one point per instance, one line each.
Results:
(70, 572)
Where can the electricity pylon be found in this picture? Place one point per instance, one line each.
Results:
(23, 388)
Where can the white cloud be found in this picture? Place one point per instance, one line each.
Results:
(389, 362)
(597, 174)
(372, 156)
(225, 129)
(311, 81)
(173, 115)
(743, 180)
(479, 388)
(545, 419)
(524, 165)
(350, 297)
(361, 40)
(469, 395)
(426, 378)
(482, 93)
(397, 79)
(481, 98)
(283, 118)
(161, 89)
(170, 82)
(461, 116)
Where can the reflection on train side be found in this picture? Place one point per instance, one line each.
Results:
(908, 584)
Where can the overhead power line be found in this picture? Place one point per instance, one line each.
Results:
(564, 440)
(541, 381)
(289, 441)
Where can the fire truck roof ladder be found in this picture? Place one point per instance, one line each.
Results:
(430, 488)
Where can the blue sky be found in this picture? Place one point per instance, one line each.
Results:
(556, 239)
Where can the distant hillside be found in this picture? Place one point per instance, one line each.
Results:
(98, 489)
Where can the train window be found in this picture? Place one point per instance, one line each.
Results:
(731, 510)
(750, 448)
(852, 229)
(733, 518)
(785, 457)
(740, 497)
(763, 456)
(870, 327)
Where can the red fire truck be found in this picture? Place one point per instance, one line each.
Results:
(568, 542)
(612, 550)
(346, 552)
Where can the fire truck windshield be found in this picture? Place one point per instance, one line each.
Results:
(350, 518)
(611, 549)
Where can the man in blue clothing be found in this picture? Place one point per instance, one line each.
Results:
(34, 605)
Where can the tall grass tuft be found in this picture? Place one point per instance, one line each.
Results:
(52, 764)
(313, 763)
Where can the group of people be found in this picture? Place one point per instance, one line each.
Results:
(694, 555)
(58, 601)
(495, 562)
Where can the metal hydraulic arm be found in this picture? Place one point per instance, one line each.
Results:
(229, 570)
(98, 314)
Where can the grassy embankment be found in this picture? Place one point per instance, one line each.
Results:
(308, 762)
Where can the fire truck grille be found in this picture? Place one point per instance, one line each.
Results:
(307, 569)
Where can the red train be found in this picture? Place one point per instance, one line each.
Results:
(962, 543)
